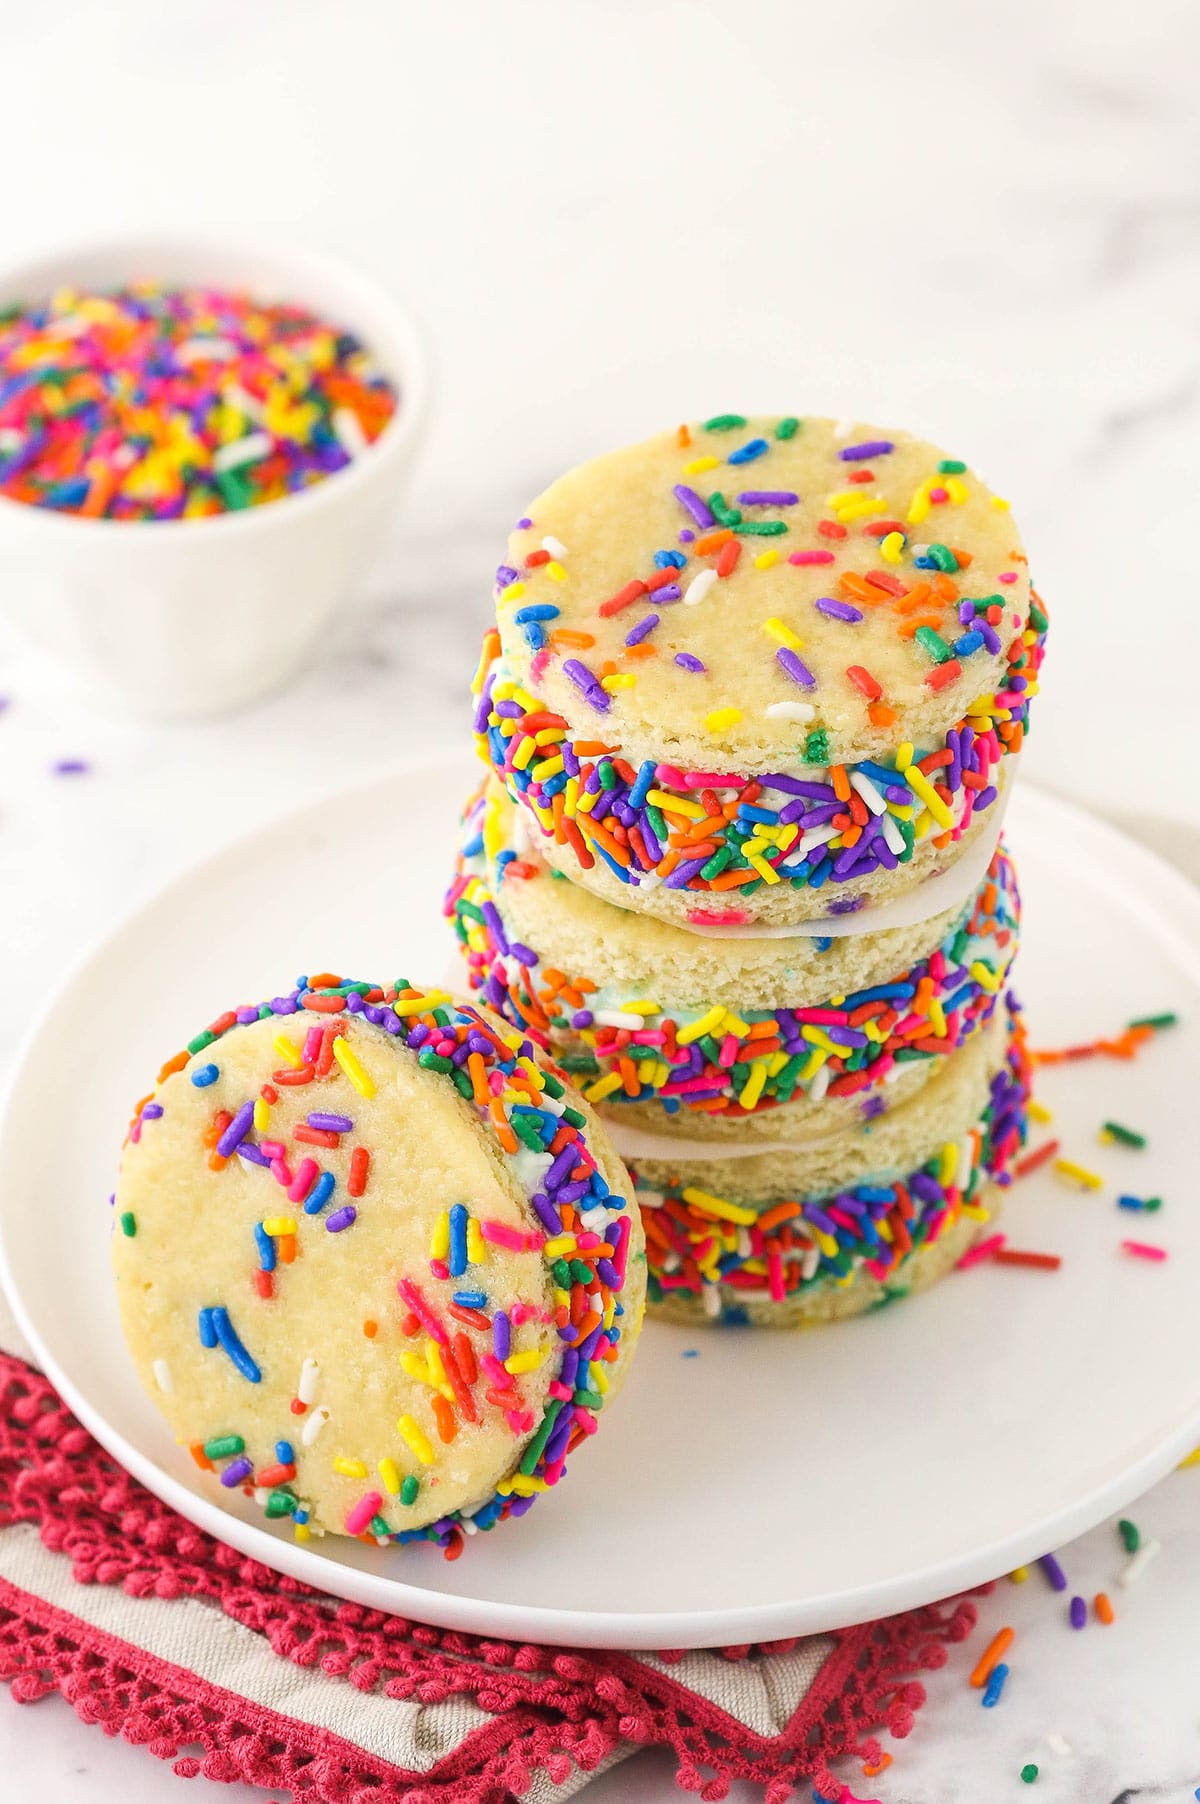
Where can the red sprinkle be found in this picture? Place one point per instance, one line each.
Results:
(864, 682)
(728, 557)
(622, 599)
(1031, 1161)
(941, 674)
(356, 1178)
(1047, 1262)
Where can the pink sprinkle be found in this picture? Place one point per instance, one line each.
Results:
(714, 917)
(561, 1391)
(519, 1420)
(359, 1515)
(312, 1045)
(810, 557)
(939, 494)
(520, 1240)
(984, 1250)
(274, 1149)
(438, 1268)
(302, 1183)
(621, 1252)
(491, 1368)
(1141, 1249)
(421, 1309)
(586, 1420)
(712, 779)
(281, 1171)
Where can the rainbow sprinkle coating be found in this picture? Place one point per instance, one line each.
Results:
(156, 403)
(730, 1253)
(465, 1359)
(625, 1049)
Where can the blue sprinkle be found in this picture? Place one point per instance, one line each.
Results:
(285, 1453)
(227, 1336)
(669, 560)
(535, 635)
(458, 1240)
(691, 1353)
(204, 1075)
(968, 643)
(995, 1685)
(320, 1193)
(542, 610)
(470, 1299)
(746, 454)
(266, 1247)
(208, 1334)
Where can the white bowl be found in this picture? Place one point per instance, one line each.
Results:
(179, 618)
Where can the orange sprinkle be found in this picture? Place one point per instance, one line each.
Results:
(1103, 1607)
(285, 1246)
(172, 1065)
(880, 715)
(840, 781)
(683, 438)
(370, 1329)
(917, 596)
(640, 651)
(712, 541)
(443, 1415)
(992, 1654)
(196, 1449)
(567, 636)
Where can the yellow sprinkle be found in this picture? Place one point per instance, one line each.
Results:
(920, 785)
(599, 1378)
(721, 718)
(389, 1472)
(349, 1468)
(1038, 1112)
(976, 1212)
(433, 1354)
(1002, 505)
(262, 1115)
(707, 1024)
(279, 1224)
(525, 1362)
(345, 1056)
(287, 1049)
(752, 1089)
(937, 1019)
(301, 1531)
(698, 465)
(417, 1440)
(523, 1486)
(476, 1244)
(546, 767)
(765, 559)
(985, 977)
(525, 753)
(777, 629)
(1019, 1574)
(513, 592)
(765, 871)
(439, 1240)
(1193, 1459)
(956, 488)
(904, 755)
(891, 547)
(555, 569)
(733, 1024)
(618, 680)
(560, 1245)
(661, 798)
(1079, 1174)
(948, 1164)
(918, 507)
(416, 1368)
(718, 1206)
(604, 1086)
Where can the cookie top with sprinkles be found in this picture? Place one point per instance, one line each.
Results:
(732, 587)
(375, 1262)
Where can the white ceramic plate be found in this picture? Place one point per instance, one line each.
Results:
(747, 1486)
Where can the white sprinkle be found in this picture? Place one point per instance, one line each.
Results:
(241, 451)
(812, 1260)
(616, 1017)
(350, 435)
(162, 1376)
(10, 438)
(711, 1297)
(650, 1199)
(698, 588)
(555, 547)
(843, 429)
(234, 395)
(198, 350)
(468, 1527)
(745, 1245)
(306, 1390)
(790, 711)
(820, 1083)
(260, 1495)
(892, 834)
(313, 1426)
(1058, 1744)
(816, 836)
(1141, 1559)
(868, 792)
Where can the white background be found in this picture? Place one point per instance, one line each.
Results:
(983, 223)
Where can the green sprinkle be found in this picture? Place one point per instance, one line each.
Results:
(560, 1271)
(1029, 1772)
(462, 1084)
(281, 1503)
(129, 1223)
(409, 1490)
(816, 747)
(1037, 619)
(223, 1446)
(536, 1447)
(589, 1399)
(429, 1060)
(934, 644)
(788, 428)
(379, 1525)
(1112, 1130)
(201, 1041)
(764, 529)
(1156, 1021)
(575, 1117)
(659, 825)
(1151, 1204)
(1130, 1534)
(234, 490)
(726, 515)
(551, 1085)
(724, 422)
(581, 1272)
(952, 466)
(716, 863)
(526, 1129)
(943, 557)
(608, 776)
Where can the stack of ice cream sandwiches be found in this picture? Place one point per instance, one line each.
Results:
(751, 712)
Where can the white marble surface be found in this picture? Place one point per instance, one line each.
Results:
(984, 224)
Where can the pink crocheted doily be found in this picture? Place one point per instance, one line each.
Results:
(551, 1709)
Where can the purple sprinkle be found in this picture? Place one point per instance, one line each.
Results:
(796, 668)
(667, 594)
(152, 1111)
(524, 524)
(686, 661)
(72, 767)
(872, 447)
(686, 535)
(1078, 1613)
(768, 498)
(341, 1218)
(330, 1124)
(237, 1130)
(1053, 1571)
(235, 1472)
(583, 1018)
(837, 610)
(501, 1335)
(699, 509)
(642, 630)
(588, 684)
(505, 575)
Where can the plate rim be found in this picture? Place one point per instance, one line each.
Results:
(618, 1629)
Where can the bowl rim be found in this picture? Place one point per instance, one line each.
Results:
(298, 266)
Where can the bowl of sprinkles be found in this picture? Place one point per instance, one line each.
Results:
(202, 445)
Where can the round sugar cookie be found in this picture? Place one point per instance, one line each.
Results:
(752, 666)
(376, 1262)
(788, 1238)
(727, 1038)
